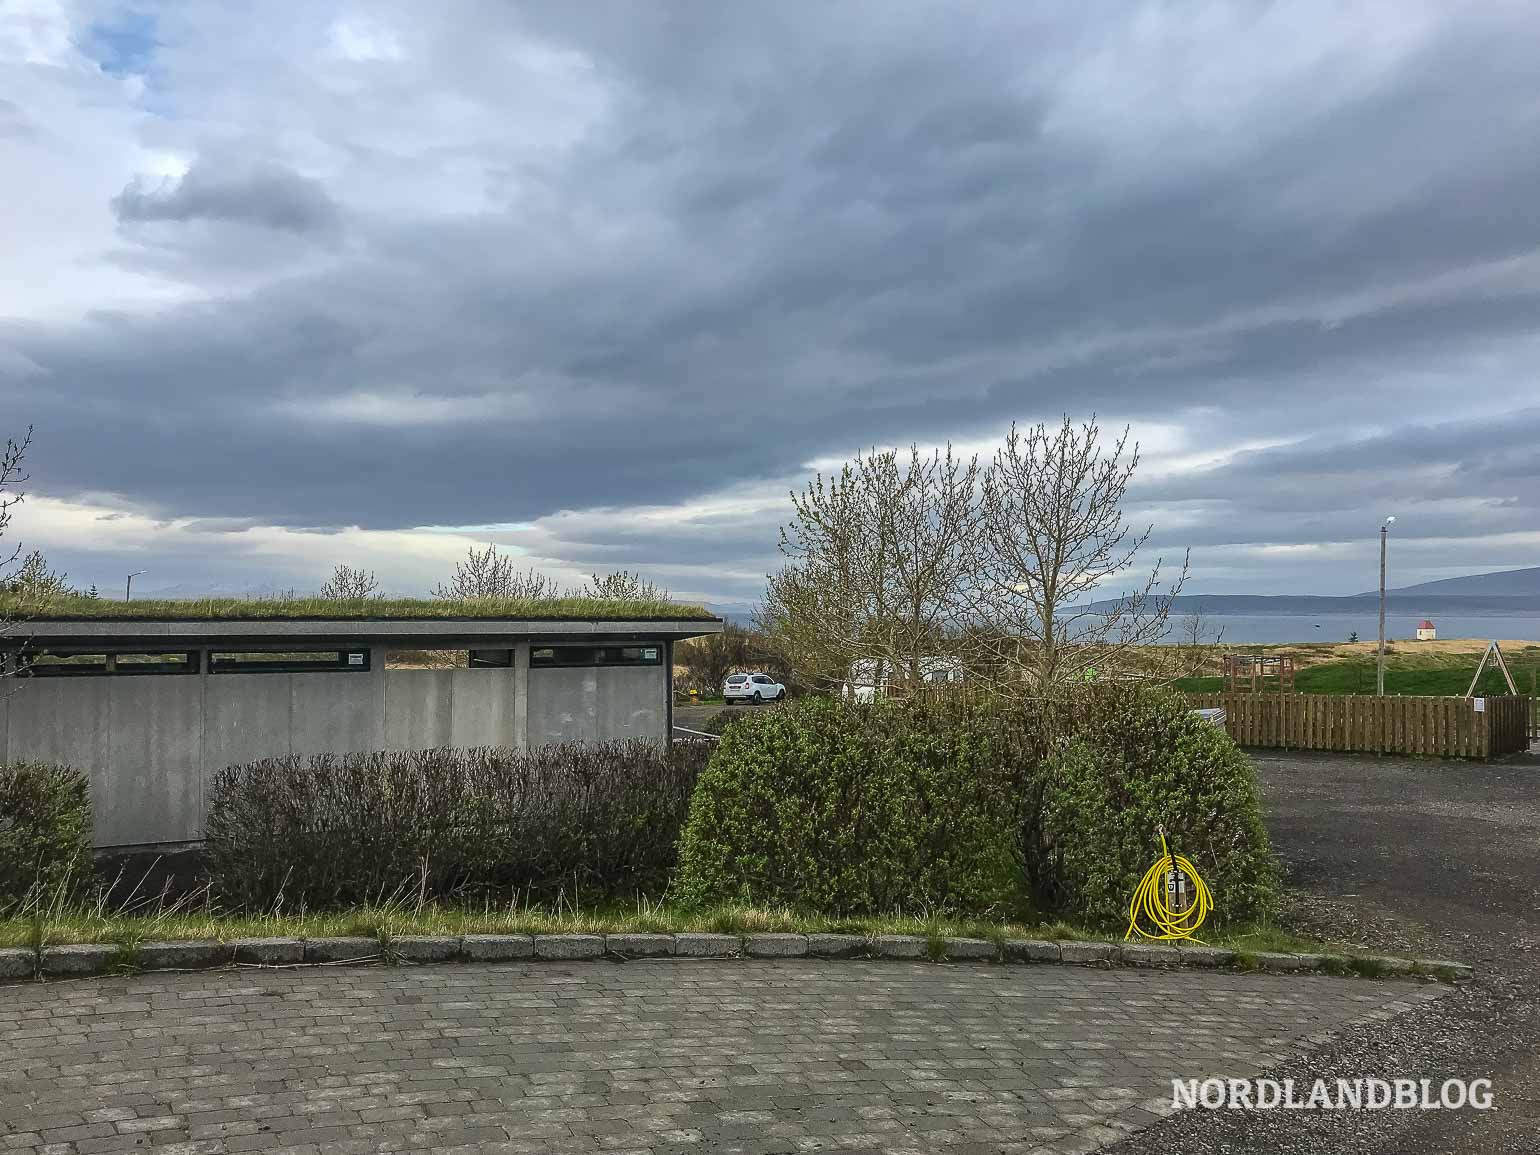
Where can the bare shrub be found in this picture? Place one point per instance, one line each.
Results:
(587, 821)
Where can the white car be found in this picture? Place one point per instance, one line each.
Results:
(754, 688)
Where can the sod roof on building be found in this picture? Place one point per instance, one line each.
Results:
(278, 609)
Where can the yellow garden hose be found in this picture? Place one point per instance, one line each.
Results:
(1150, 903)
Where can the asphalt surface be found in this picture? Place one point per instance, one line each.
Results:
(692, 717)
(1407, 856)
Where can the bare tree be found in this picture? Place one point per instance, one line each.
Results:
(877, 555)
(487, 574)
(350, 583)
(622, 585)
(1192, 655)
(708, 660)
(1054, 541)
(34, 582)
(11, 478)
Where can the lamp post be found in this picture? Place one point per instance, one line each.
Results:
(128, 588)
(1379, 673)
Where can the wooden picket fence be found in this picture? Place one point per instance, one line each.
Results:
(1437, 726)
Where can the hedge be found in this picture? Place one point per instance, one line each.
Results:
(45, 834)
(574, 823)
(1051, 808)
(846, 808)
(1140, 761)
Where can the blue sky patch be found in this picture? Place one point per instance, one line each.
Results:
(122, 44)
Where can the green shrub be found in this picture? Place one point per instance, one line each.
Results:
(583, 822)
(847, 809)
(45, 833)
(1142, 760)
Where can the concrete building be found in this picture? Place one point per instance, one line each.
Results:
(152, 709)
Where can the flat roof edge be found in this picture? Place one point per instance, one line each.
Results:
(19, 633)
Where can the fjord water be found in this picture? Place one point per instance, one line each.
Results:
(1278, 628)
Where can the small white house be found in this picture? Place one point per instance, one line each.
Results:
(1426, 631)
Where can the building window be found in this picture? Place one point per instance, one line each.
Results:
(490, 659)
(287, 661)
(70, 663)
(554, 656)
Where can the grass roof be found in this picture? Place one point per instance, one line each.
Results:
(76, 609)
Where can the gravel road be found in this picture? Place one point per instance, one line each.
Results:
(1420, 857)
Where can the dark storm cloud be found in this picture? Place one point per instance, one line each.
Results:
(266, 195)
(793, 232)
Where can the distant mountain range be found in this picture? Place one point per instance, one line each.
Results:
(1508, 583)
(1504, 592)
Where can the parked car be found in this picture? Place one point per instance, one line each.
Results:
(752, 688)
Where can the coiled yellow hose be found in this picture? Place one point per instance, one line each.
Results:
(1149, 900)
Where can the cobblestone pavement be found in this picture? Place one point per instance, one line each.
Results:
(666, 1056)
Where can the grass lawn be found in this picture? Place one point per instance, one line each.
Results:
(310, 608)
(384, 923)
(1407, 671)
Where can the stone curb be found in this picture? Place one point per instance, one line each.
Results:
(775, 945)
(498, 947)
(690, 945)
(569, 946)
(100, 958)
(182, 955)
(341, 950)
(17, 963)
(421, 948)
(269, 952)
(638, 945)
(899, 946)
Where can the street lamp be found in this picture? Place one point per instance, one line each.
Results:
(1379, 673)
(128, 588)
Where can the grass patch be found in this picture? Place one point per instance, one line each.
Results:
(1272, 940)
(65, 609)
(1408, 672)
(386, 923)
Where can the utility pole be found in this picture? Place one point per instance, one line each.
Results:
(128, 588)
(1379, 674)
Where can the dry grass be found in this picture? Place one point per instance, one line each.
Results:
(1404, 654)
(321, 609)
(386, 922)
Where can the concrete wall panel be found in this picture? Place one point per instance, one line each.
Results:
(154, 792)
(418, 708)
(338, 713)
(246, 717)
(562, 706)
(483, 708)
(632, 702)
(65, 721)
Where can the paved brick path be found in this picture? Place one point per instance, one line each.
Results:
(647, 1056)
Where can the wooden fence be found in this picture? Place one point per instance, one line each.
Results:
(1441, 727)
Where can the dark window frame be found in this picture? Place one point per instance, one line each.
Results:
(476, 659)
(24, 664)
(279, 665)
(604, 655)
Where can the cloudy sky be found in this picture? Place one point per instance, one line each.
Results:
(292, 283)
